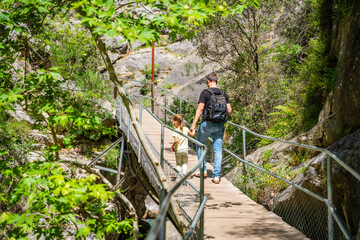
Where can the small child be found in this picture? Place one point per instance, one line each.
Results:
(180, 145)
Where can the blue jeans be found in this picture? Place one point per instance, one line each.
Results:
(216, 130)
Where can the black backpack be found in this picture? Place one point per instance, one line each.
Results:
(216, 110)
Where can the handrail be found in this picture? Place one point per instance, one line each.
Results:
(332, 213)
(343, 164)
(162, 212)
(155, 231)
(355, 174)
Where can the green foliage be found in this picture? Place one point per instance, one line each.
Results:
(256, 183)
(266, 155)
(311, 78)
(14, 144)
(187, 109)
(51, 200)
(146, 102)
(74, 114)
(288, 55)
(276, 88)
(284, 123)
(72, 50)
(169, 85)
(343, 8)
(19, 128)
(55, 201)
(148, 71)
(181, 18)
(319, 72)
(92, 82)
(146, 87)
(297, 158)
(111, 158)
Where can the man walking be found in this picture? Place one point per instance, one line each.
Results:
(214, 106)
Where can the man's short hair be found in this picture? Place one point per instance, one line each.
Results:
(212, 77)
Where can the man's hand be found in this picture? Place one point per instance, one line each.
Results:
(191, 133)
(192, 128)
(198, 113)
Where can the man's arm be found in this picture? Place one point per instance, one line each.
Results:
(228, 105)
(198, 113)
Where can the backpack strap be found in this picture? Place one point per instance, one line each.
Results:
(212, 92)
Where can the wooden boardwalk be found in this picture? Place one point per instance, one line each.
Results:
(229, 213)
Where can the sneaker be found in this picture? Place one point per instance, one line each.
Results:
(197, 174)
(216, 180)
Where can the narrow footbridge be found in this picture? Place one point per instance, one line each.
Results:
(199, 209)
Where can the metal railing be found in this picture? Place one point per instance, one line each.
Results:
(331, 210)
(158, 231)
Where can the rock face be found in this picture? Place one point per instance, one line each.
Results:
(136, 62)
(341, 112)
(304, 212)
(179, 65)
(117, 45)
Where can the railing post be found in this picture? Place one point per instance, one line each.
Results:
(162, 146)
(244, 156)
(140, 113)
(180, 106)
(139, 150)
(120, 123)
(152, 76)
(162, 234)
(329, 191)
(202, 193)
(120, 160)
(152, 97)
(165, 106)
(128, 136)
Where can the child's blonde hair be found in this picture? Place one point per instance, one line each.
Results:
(178, 118)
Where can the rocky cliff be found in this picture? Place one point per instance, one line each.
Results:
(341, 112)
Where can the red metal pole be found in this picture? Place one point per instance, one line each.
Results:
(152, 76)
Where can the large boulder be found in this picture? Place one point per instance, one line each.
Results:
(136, 62)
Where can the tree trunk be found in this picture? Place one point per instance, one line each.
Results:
(174, 209)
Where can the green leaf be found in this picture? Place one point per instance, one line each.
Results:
(3, 217)
(83, 232)
(110, 228)
(4, 17)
